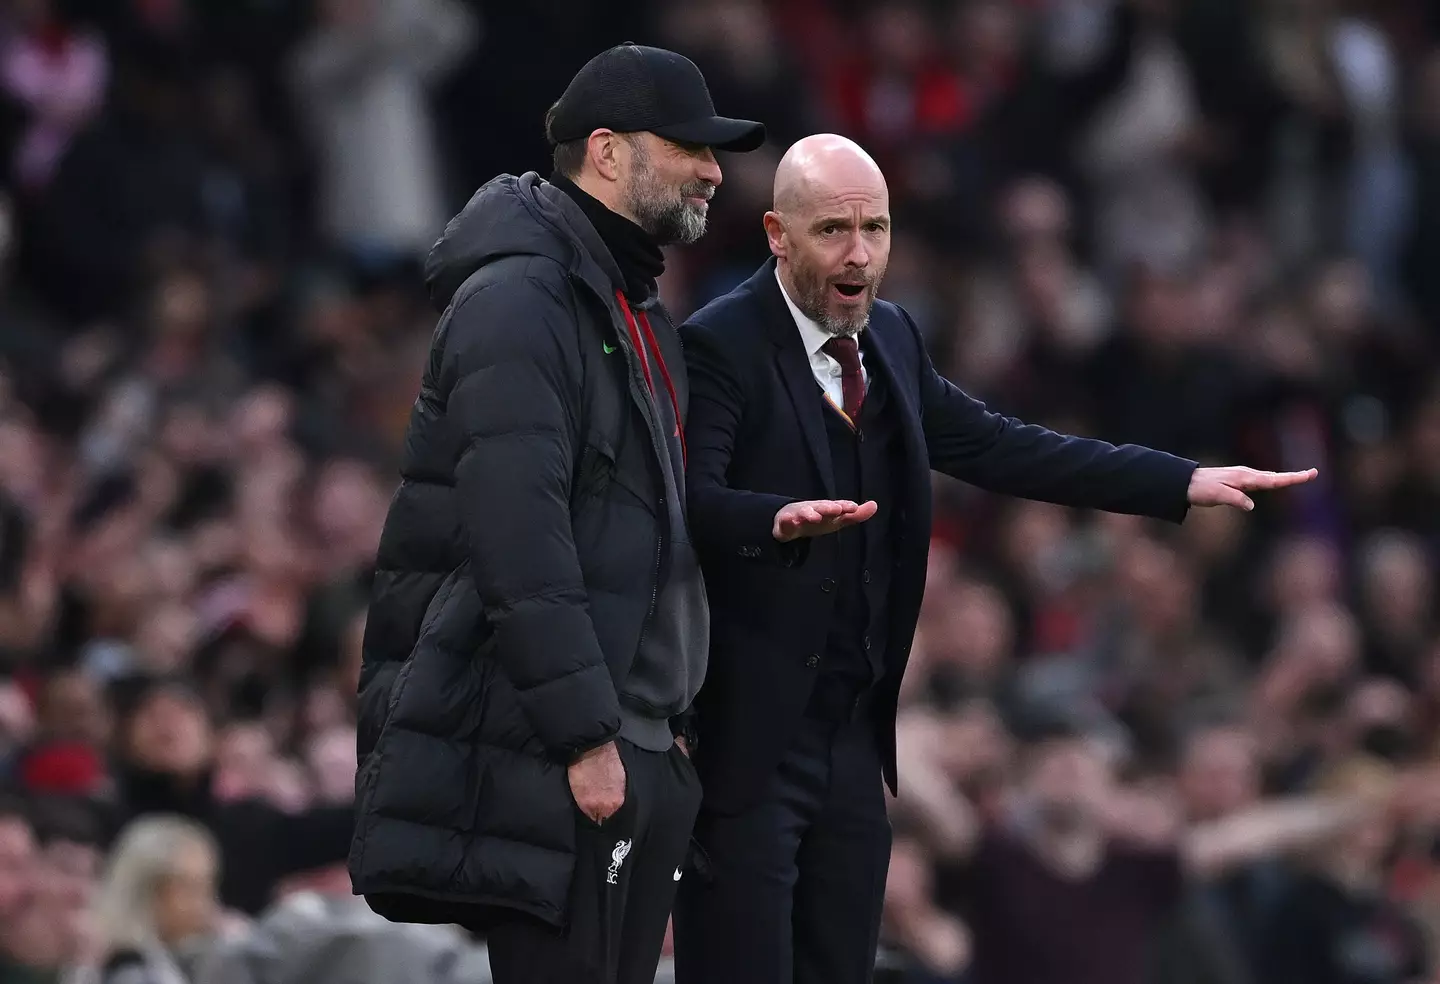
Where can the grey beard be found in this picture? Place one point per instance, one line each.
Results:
(839, 328)
(810, 299)
(829, 323)
(669, 223)
(667, 220)
(682, 224)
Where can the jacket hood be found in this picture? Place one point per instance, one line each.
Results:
(518, 216)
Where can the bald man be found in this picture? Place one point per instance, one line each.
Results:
(815, 420)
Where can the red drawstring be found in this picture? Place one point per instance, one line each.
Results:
(635, 340)
(654, 346)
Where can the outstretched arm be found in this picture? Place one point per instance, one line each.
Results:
(1271, 828)
(1002, 454)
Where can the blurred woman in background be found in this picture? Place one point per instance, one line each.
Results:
(159, 892)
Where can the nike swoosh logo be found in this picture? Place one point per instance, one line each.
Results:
(609, 349)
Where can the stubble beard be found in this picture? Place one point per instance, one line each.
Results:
(813, 302)
(668, 217)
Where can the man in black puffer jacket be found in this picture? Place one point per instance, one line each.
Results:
(538, 626)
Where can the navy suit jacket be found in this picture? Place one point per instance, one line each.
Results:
(757, 441)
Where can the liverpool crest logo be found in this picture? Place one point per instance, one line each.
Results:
(617, 858)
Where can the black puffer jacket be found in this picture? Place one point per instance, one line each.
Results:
(519, 569)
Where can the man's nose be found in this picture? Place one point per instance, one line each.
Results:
(709, 170)
(858, 255)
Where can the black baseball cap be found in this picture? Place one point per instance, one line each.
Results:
(631, 88)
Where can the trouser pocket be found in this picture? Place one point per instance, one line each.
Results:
(601, 883)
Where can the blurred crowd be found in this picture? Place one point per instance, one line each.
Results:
(1210, 226)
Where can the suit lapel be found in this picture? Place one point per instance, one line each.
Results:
(806, 395)
(794, 366)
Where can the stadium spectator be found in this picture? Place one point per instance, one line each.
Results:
(167, 765)
(362, 78)
(1078, 876)
(24, 955)
(202, 400)
(159, 894)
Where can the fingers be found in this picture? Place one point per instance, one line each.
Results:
(1250, 478)
(818, 517)
(854, 514)
(598, 782)
(1228, 495)
(860, 514)
(1280, 480)
(864, 511)
(1227, 486)
(795, 518)
(821, 510)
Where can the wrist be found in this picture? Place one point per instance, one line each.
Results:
(592, 752)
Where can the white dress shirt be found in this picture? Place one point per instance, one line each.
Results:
(827, 371)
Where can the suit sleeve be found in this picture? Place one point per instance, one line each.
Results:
(511, 368)
(1005, 455)
(724, 519)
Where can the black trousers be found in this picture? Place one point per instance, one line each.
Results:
(796, 883)
(627, 870)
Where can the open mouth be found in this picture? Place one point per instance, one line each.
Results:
(850, 290)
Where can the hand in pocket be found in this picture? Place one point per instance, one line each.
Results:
(597, 781)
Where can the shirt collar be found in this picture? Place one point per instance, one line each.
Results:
(811, 334)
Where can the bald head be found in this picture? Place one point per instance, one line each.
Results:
(830, 231)
(826, 165)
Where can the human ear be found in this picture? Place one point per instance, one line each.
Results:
(775, 233)
(603, 149)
